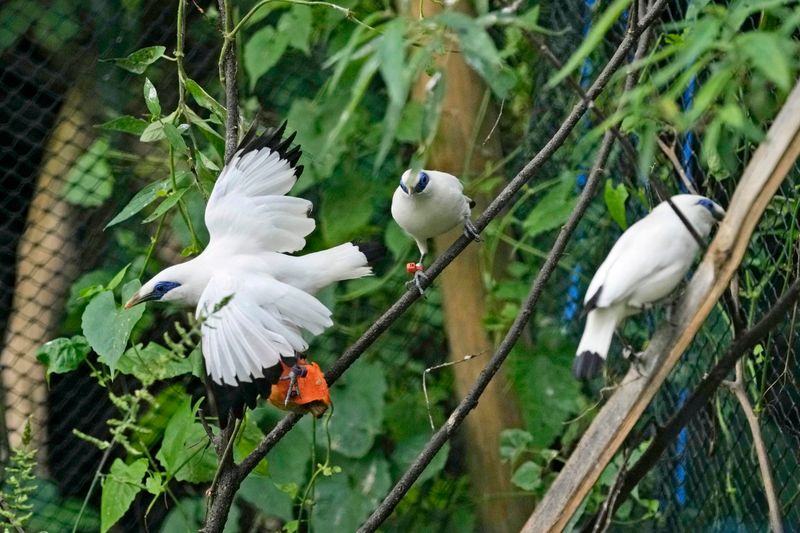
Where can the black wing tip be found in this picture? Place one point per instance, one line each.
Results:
(587, 365)
(591, 303)
(373, 250)
(231, 400)
(273, 139)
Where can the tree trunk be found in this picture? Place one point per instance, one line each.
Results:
(464, 297)
(47, 263)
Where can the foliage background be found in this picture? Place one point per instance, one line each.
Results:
(344, 88)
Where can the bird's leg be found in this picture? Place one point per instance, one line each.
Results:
(297, 371)
(471, 231)
(419, 276)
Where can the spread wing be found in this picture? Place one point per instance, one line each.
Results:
(248, 208)
(251, 321)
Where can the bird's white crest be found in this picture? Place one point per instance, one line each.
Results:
(251, 222)
(645, 265)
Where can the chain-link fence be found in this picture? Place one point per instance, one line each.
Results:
(55, 89)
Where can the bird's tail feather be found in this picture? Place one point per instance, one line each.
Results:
(346, 261)
(230, 400)
(595, 342)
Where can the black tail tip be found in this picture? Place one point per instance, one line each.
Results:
(231, 400)
(587, 365)
(373, 250)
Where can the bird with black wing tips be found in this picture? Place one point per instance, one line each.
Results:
(256, 300)
(428, 203)
(645, 265)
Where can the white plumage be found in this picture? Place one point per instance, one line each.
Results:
(428, 203)
(645, 265)
(252, 226)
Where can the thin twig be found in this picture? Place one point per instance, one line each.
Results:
(702, 394)
(425, 386)
(669, 151)
(774, 504)
(497, 205)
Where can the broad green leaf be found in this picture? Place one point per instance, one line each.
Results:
(117, 279)
(189, 513)
(185, 450)
(169, 202)
(90, 181)
(151, 98)
(615, 198)
(709, 91)
(410, 127)
(552, 210)
(262, 51)
(205, 100)
(480, 52)
(528, 476)
(120, 488)
(175, 138)
(63, 355)
(513, 443)
(108, 326)
(297, 23)
(153, 132)
(153, 363)
(345, 499)
(248, 438)
(141, 200)
(125, 124)
(591, 41)
(769, 53)
(358, 417)
(139, 60)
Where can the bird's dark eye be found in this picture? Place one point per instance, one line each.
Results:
(423, 182)
(708, 204)
(163, 287)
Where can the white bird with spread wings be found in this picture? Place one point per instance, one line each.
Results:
(266, 294)
(645, 265)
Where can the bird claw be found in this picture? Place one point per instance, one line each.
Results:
(419, 276)
(293, 391)
(471, 231)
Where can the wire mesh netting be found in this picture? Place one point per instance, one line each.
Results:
(61, 171)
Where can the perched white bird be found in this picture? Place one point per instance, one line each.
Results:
(253, 225)
(428, 203)
(645, 265)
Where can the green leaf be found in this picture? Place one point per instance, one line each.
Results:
(141, 199)
(151, 98)
(120, 488)
(297, 23)
(139, 60)
(528, 476)
(709, 91)
(769, 53)
(358, 417)
(407, 451)
(513, 443)
(248, 438)
(117, 279)
(168, 203)
(615, 198)
(63, 355)
(90, 181)
(153, 132)
(205, 100)
(185, 450)
(125, 124)
(189, 514)
(591, 41)
(480, 52)
(553, 209)
(107, 326)
(345, 499)
(175, 138)
(153, 363)
(262, 51)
